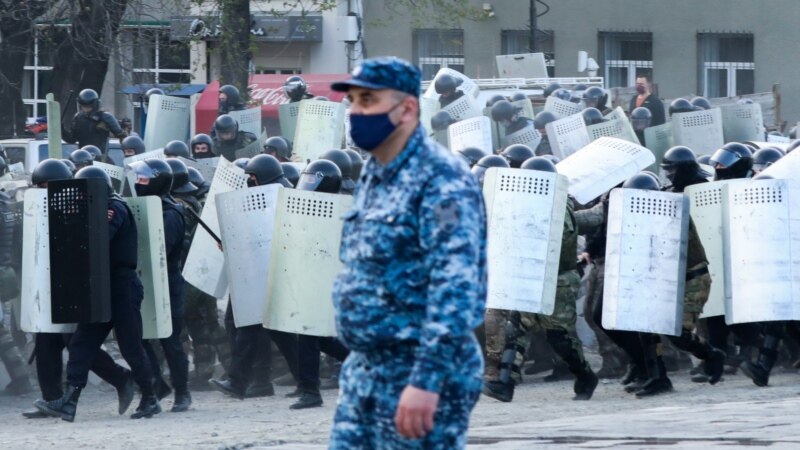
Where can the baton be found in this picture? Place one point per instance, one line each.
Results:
(205, 227)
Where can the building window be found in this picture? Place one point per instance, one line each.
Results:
(726, 64)
(157, 60)
(626, 56)
(437, 49)
(271, 71)
(37, 80)
(515, 42)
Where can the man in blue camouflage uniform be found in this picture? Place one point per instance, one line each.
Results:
(413, 286)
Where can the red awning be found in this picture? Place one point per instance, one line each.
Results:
(268, 90)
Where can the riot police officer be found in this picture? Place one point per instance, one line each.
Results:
(228, 138)
(91, 125)
(132, 145)
(516, 155)
(177, 149)
(447, 87)
(540, 122)
(201, 145)
(345, 165)
(230, 99)
(509, 117)
(279, 148)
(641, 118)
(296, 89)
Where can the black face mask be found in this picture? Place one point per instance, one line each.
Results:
(251, 182)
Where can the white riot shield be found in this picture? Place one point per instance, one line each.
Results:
(319, 128)
(35, 307)
(658, 139)
(772, 139)
(567, 135)
(252, 149)
(526, 136)
(761, 229)
(616, 114)
(152, 266)
(248, 119)
(619, 128)
(474, 132)
(467, 85)
(205, 264)
(465, 107)
(785, 168)
(525, 215)
(246, 219)
(287, 116)
(497, 131)
(169, 120)
(742, 122)
(527, 108)
(701, 131)
(427, 108)
(347, 140)
(206, 166)
(705, 201)
(116, 173)
(645, 267)
(525, 65)
(305, 262)
(602, 165)
(153, 154)
(561, 108)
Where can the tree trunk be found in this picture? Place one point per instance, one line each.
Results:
(235, 44)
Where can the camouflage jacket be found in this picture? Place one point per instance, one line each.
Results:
(414, 254)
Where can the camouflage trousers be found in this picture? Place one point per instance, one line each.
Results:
(209, 341)
(11, 356)
(563, 319)
(370, 390)
(695, 297)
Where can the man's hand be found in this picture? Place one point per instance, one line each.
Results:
(585, 257)
(414, 417)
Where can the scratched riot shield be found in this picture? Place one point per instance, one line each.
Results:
(525, 216)
(761, 232)
(561, 108)
(645, 265)
(116, 173)
(497, 129)
(463, 108)
(307, 234)
(152, 266)
(153, 154)
(246, 219)
(54, 132)
(658, 139)
(526, 108)
(602, 165)
(742, 122)
(206, 166)
(287, 116)
(249, 120)
(526, 136)
(254, 148)
(567, 135)
(80, 274)
(701, 131)
(34, 313)
(475, 132)
(171, 114)
(205, 263)
(617, 125)
(319, 128)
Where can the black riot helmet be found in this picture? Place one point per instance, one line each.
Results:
(175, 149)
(517, 154)
(50, 170)
(550, 89)
(471, 155)
(446, 84)
(95, 172)
(700, 103)
(295, 88)
(592, 116)
(201, 138)
(518, 96)
(441, 120)
(356, 161)
(265, 169)
(563, 94)
(81, 158)
(134, 145)
(197, 179)
(241, 162)
(503, 111)
(641, 118)
(494, 99)
(542, 119)
(681, 167)
(765, 158)
(232, 101)
(594, 97)
(278, 147)
(680, 105)
(89, 97)
(70, 164)
(793, 145)
(733, 160)
(94, 151)
(644, 181)
(291, 173)
(704, 159)
(153, 177)
(321, 176)
(150, 92)
(539, 163)
(488, 161)
(226, 125)
(345, 165)
(180, 177)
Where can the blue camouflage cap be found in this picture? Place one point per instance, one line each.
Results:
(387, 72)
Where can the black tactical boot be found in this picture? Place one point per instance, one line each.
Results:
(571, 357)
(713, 359)
(308, 399)
(260, 389)
(125, 393)
(162, 389)
(183, 400)
(585, 385)
(560, 373)
(715, 365)
(499, 390)
(635, 374)
(148, 405)
(759, 371)
(63, 407)
(228, 388)
(658, 383)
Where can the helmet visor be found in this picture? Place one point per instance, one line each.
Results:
(310, 181)
(724, 158)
